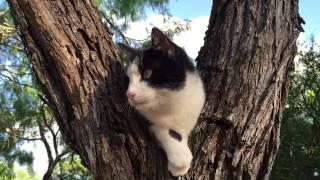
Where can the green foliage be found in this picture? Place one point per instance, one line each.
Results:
(6, 171)
(5, 16)
(25, 175)
(17, 110)
(299, 153)
(9, 172)
(97, 3)
(119, 13)
(71, 168)
(132, 9)
(7, 28)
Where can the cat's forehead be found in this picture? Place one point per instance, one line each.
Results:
(133, 69)
(137, 60)
(145, 59)
(153, 58)
(148, 59)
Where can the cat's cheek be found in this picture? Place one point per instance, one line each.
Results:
(147, 91)
(150, 96)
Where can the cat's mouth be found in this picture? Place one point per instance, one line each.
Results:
(137, 103)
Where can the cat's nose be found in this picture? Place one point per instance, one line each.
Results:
(130, 95)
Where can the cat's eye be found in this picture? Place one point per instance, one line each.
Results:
(147, 74)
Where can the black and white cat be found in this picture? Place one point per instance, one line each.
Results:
(165, 88)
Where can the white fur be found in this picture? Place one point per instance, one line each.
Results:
(170, 109)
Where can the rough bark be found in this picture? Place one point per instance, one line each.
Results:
(245, 61)
(247, 55)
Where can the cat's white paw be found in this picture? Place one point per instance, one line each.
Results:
(179, 163)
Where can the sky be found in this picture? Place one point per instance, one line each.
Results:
(309, 10)
(187, 9)
(191, 40)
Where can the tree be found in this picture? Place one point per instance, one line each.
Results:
(245, 62)
(300, 138)
(24, 114)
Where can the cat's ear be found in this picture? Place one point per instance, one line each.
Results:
(161, 42)
(129, 52)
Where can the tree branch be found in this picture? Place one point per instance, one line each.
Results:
(22, 138)
(45, 142)
(124, 37)
(17, 82)
(53, 164)
(113, 26)
(54, 137)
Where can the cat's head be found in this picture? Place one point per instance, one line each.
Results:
(153, 72)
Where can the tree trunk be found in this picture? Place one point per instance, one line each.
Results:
(245, 61)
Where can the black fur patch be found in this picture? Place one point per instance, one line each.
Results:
(168, 62)
(167, 72)
(175, 135)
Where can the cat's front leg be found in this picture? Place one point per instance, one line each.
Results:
(177, 150)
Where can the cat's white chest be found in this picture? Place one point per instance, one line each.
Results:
(178, 109)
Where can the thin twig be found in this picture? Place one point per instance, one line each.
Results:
(45, 142)
(54, 137)
(22, 138)
(124, 37)
(113, 26)
(17, 82)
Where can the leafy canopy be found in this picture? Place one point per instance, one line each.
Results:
(299, 153)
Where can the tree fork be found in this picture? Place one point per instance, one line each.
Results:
(245, 61)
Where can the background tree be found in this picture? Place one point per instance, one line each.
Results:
(299, 154)
(12, 109)
(245, 61)
(24, 114)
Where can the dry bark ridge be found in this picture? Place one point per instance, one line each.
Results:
(245, 61)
